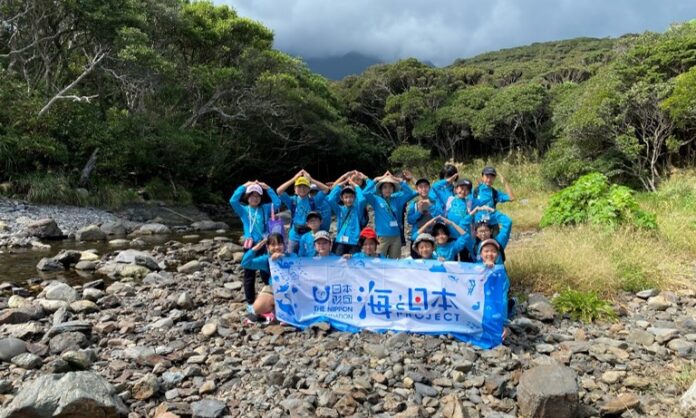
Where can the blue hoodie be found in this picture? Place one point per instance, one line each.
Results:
(325, 210)
(484, 196)
(440, 191)
(251, 261)
(417, 219)
(450, 250)
(458, 212)
(347, 218)
(388, 215)
(254, 220)
(307, 245)
(299, 208)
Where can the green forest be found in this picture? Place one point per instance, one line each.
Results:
(183, 100)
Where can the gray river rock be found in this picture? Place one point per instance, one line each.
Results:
(170, 339)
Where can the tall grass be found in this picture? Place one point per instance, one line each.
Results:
(54, 188)
(591, 259)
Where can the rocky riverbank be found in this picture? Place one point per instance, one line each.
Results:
(162, 336)
(24, 225)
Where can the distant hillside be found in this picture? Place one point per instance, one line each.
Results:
(576, 58)
(338, 67)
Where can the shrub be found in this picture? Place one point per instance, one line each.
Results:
(413, 157)
(583, 306)
(591, 199)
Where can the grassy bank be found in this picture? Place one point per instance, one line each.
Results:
(595, 259)
(61, 189)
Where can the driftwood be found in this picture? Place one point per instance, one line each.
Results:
(89, 167)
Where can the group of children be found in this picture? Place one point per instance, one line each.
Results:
(450, 220)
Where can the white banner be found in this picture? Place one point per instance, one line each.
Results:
(466, 300)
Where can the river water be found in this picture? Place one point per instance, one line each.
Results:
(18, 266)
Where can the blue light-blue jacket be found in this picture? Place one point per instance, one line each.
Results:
(347, 218)
(417, 219)
(440, 191)
(299, 208)
(386, 213)
(307, 245)
(450, 250)
(325, 210)
(254, 220)
(251, 261)
(457, 211)
(483, 196)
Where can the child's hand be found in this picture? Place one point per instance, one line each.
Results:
(263, 185)
(441, 259)
(502, 178)
(347, 256)
(453, 178)
(260, 245)
(489, 264)
(276, 256)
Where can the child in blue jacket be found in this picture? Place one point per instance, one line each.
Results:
(300, 204)
(263, 306)
(314, 222)
(446, 248)
(388, 196)
(246, 203)
(488, 197)
(422, 209)
(444, 188)
(348, 215)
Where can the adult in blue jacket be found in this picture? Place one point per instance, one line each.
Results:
(388, 196)
(246, 203)
(300, 204)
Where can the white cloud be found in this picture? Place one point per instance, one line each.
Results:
(443, 30)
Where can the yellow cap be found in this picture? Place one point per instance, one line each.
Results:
(302, 181)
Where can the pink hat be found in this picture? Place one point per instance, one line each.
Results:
(254, 188)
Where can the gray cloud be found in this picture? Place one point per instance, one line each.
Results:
(443, 30)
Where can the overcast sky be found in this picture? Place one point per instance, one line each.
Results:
(443, 30)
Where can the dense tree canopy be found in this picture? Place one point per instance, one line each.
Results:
(192, 96)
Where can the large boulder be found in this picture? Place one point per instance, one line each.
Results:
(548, 391)
(540, 308)
(140, 258)
(49, 264)
(44, 228)
(152, 229)
(688, 400)
(117, 229)
(68, 257)
(60, 291)
(74, 394)
(10, 347)
(208, 226)
(90, 233)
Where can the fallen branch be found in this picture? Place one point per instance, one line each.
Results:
(98, 56)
